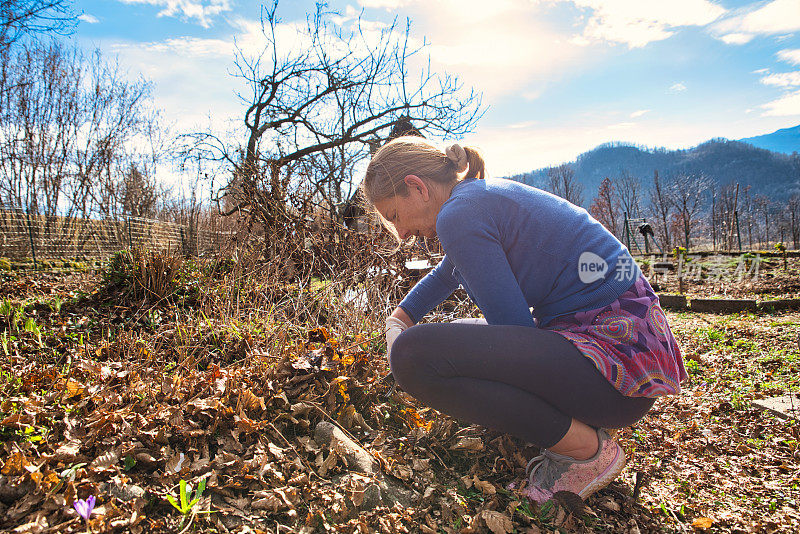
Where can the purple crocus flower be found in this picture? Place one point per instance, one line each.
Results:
(84, 508)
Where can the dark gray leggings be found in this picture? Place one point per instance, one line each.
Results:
(523, 381)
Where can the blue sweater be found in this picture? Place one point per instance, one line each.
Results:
(513, 247)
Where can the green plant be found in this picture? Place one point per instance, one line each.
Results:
(13, 314)
(693, 367)
(130, 462)
(524, 507)
(5, 341)
(55, 304)
(780, 247)
(712, 334)
(187, 500)
(31, 326)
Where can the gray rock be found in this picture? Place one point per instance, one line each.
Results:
(383, 491)
(126, 493)
(357, 459)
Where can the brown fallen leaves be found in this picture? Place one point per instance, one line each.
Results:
(126, 419)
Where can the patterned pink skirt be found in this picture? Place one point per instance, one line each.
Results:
(629, 341)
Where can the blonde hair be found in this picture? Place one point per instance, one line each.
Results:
(415, 155)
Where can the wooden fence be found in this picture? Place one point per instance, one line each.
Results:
(40, 237)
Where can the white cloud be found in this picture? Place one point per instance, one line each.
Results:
(737, 38)
(790, 56)
(192, 76)
(384, 4)
(639, 22)
(508, 48)
(88, 19)
(201, 10)
(639, 113)
(191, 84)
(192, 47)
(782, 79)
(775, 17)
(787, 105)
(524, 124)
(677, 87)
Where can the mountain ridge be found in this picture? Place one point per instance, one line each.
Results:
(774, 174)
(786, 140)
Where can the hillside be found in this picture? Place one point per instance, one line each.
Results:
(771, 173)
(786, 140)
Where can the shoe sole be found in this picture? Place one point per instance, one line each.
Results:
(607, 476)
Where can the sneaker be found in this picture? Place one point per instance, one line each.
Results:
(550, 473)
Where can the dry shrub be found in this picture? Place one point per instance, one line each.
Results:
(144, 274)
(309, 275)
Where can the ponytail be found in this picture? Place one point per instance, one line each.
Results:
(475, 165)
(418, 156)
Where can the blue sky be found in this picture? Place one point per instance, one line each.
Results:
(558, 76)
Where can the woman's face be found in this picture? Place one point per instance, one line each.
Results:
(412, 215)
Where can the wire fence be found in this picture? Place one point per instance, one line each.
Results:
(25, 236)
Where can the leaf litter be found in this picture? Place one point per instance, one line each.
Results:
(126, 417)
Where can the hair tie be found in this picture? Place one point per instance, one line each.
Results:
(458, 156)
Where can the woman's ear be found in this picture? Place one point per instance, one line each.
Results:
(418, 185)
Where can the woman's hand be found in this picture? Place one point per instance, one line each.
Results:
(395, 324)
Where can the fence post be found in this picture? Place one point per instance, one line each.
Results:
(626, 233)
(130, 239)
(738, 233)
(30, 236)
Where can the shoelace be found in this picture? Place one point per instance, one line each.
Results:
(544, 459)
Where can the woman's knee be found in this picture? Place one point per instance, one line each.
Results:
(407, 356)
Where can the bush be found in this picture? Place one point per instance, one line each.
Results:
(142, 273)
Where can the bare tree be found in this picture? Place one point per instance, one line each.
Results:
(314, 109)
(629, 188)
(793, 214)
(745, 213)
(688, 191)
(67, 132)
(764, 208)
(562, 182)
(724, 220)
(20, 17)
(139, 193)
(605, 207)
(660, 209)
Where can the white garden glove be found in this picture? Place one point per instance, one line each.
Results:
(394, 327)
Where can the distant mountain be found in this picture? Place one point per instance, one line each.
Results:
(786, 140)
(770, 173)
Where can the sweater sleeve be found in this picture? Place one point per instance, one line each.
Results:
(472, 241)
(431, 291)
